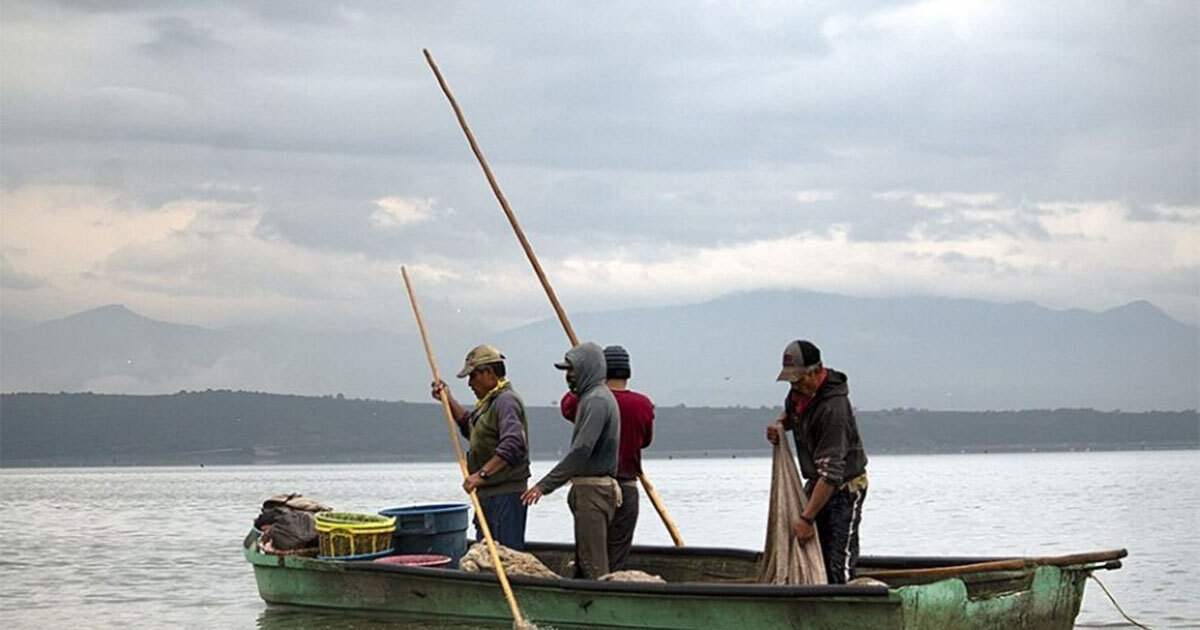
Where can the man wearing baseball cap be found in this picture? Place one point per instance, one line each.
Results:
(498, 455)
(818, 412)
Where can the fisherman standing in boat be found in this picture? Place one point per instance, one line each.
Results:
(637, 429)
(498, 455)
(591, 462)
(817, 410)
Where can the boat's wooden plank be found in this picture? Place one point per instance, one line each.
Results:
(1015, 564)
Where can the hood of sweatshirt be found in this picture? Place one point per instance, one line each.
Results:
(590, 370)
(836, 384)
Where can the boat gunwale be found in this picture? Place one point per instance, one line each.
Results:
(864, 561)
(699, 589)
(645, 588)
(839, 591)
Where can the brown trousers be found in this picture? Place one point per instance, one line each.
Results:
(593, 508)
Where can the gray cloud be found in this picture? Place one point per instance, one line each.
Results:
(639, 131)
(179, 36)
(16, 279)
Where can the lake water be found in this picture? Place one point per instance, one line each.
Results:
(141, 547)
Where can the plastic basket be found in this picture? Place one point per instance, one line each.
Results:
(351, 534)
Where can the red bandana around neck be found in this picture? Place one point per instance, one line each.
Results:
(802, 403)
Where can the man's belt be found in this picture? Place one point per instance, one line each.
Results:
(857, 484)
(599, 482)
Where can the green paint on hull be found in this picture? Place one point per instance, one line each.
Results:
(1044, 597)
(1047, 598)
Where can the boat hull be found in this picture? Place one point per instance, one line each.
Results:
(1041, 597)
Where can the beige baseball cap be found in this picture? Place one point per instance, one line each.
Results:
(480, 355)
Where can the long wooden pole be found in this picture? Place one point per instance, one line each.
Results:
(518, 621)
(537, 269)
(512, 218)
(1014, 564)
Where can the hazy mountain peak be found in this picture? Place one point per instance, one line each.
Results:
(1143, 307)
(115, 316)
(921, 351)
(110, 312)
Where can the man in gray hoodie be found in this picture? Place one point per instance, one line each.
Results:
(591, 463)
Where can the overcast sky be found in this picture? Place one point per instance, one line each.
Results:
(273, 163)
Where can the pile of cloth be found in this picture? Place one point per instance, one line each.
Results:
(288, 526)
(478, 560)
(631, 575)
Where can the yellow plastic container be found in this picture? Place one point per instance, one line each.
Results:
(342, 534)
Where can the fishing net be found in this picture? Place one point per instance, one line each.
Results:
(478, 560)
(786, 560)
(630, 576)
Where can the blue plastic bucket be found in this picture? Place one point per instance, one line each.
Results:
(438, 528)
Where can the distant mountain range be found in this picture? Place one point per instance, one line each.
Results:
(930, 353)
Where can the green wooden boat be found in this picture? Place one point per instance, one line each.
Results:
(707, 589)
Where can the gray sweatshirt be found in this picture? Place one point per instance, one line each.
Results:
(595, 439)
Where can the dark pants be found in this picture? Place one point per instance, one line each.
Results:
(837, 526)
(592, 507)
(620, 530)
(505, 518)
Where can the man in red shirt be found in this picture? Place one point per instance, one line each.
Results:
(637, 429)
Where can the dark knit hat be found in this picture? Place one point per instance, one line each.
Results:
(617, 358)
(798, 356)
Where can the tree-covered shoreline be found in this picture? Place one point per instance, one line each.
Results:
(222, 427)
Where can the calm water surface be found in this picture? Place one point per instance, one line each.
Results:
(139, 547)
